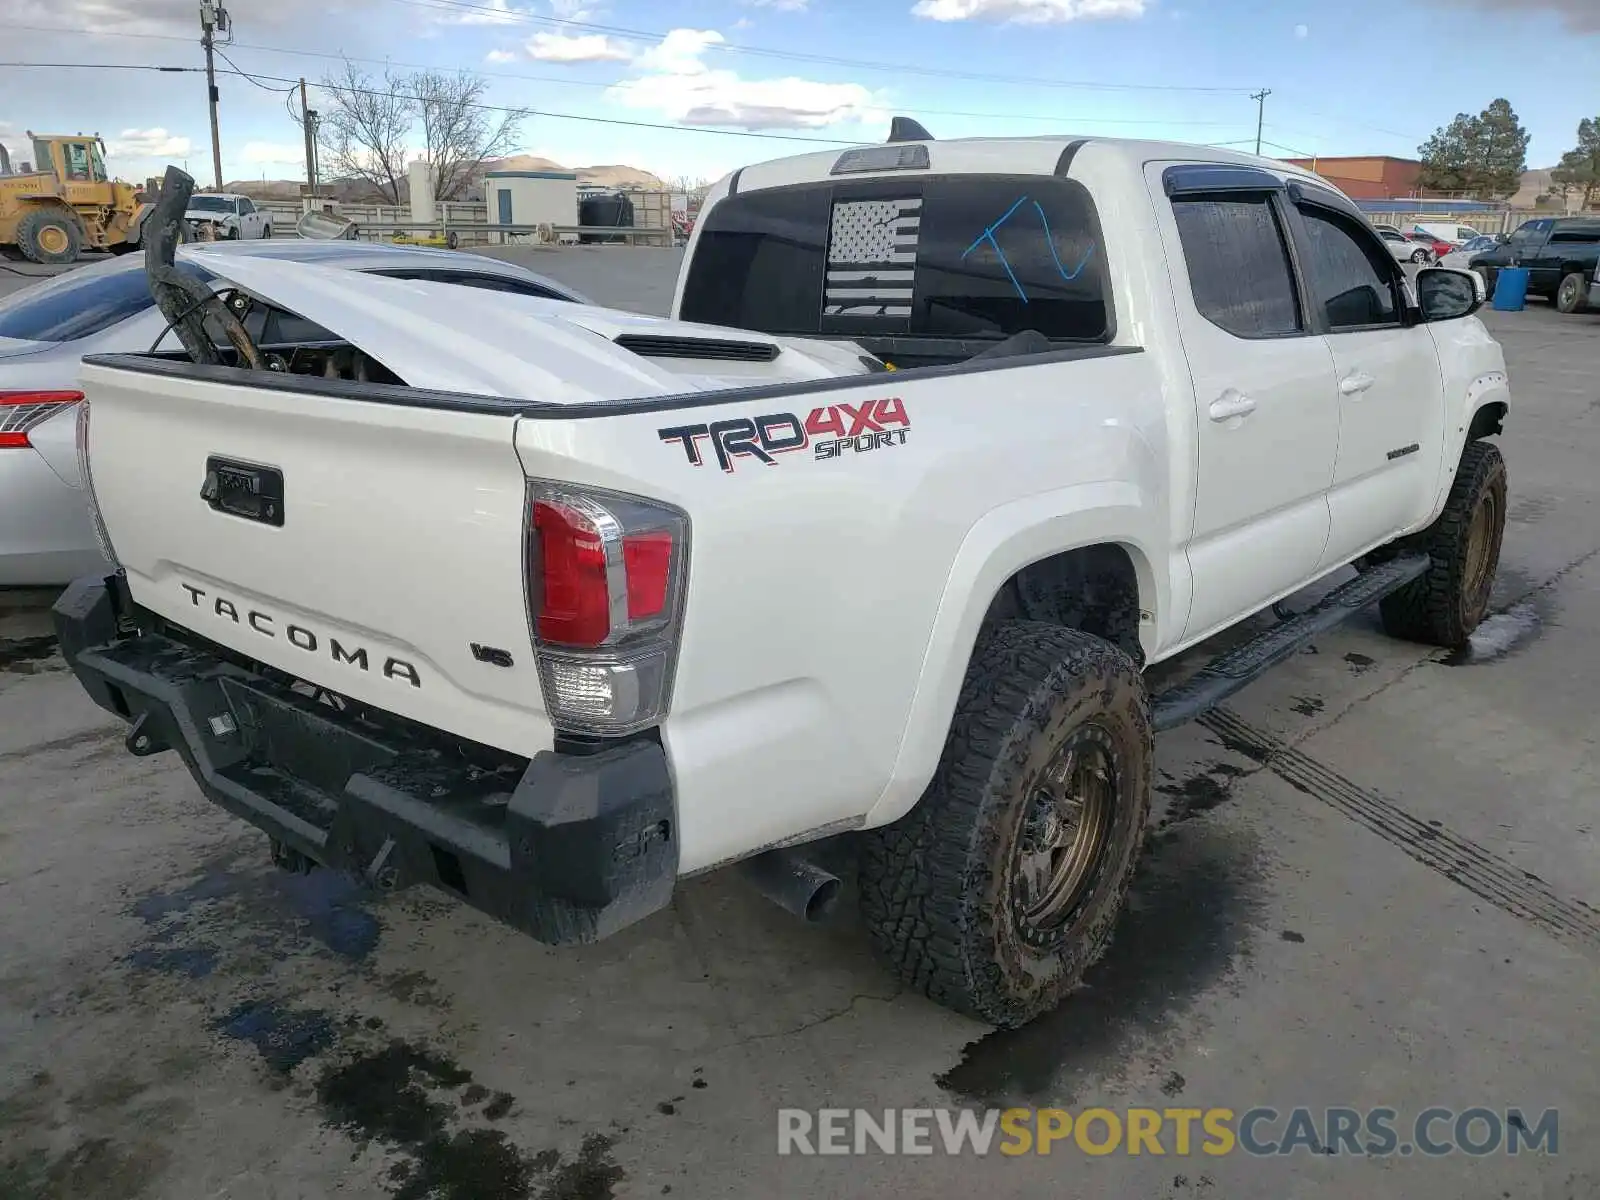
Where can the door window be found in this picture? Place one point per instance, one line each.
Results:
(1239, 264)
(77, 162)
(97, 165)
(1350, 284)
(1529, 234)
(245, 207)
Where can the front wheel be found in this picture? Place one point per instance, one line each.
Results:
(1573, 294)
(49, 238)
(1421, 256)
(1000, 888)
(1450, 600)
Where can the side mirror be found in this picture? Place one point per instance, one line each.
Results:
(1447, 294)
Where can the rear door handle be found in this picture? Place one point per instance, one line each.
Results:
(1231, 404)
(1355, 383)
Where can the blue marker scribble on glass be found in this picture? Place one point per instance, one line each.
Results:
(1050, 241)
(988, 236)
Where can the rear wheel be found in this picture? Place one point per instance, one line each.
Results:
(49, 237)
(1573, 294)
(1450, 600)
(1000, 888)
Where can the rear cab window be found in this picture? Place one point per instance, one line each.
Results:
(939, 266)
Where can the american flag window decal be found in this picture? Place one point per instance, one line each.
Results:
(872, 258)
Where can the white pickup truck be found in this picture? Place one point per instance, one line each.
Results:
(551, 606)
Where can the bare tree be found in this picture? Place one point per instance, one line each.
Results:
(369, 123)
(459, 131)
(364, 127)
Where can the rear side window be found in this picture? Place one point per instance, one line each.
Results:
(949, 257)
(80, 304)
(1239, 264)
(1567, 232)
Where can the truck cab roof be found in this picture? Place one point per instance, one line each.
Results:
(1044, 154)
(927, 253)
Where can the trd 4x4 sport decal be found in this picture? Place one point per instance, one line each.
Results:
(830, 432)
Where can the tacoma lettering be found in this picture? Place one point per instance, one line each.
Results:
(830, 431)
(299, 636)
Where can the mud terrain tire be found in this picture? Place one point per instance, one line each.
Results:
(1444, 606)
(1041, 708)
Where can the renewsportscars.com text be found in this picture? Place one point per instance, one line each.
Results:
(1179, 1132)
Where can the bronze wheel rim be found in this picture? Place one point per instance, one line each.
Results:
(1062, 839)
(54, 240)
(1479, 558)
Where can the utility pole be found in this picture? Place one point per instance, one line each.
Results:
(213, 20)
(309, 130)
(1261, 113)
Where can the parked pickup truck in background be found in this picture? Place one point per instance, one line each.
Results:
(550, 606)
(1561, 254)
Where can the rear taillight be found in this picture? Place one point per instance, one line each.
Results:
(606, 576)
(100, 534)
(22, 411)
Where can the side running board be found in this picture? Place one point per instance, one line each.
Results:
(1230, 672)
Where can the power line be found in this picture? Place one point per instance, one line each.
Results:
(251, 78)
(725, 47)
(505, 16)
(926, 112)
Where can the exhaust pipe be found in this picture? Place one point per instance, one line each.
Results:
(792, 882)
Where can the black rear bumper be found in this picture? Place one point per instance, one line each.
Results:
(566, 847)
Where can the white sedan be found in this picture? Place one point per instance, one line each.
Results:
(46, 537)
(1403, 248)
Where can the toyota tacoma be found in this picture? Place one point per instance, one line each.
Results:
(943, 445)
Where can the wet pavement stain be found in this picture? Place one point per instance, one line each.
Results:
(1499, 635)
(192, 962)
(1307, 706)
(1359, 662)
(394, 1095)
(591, 1176)
(24, 655)
(92, 1169)
(1201, 792)
(285, 1037)
(1190, 915)
(327, 907)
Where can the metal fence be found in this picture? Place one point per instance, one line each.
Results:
(469, 222)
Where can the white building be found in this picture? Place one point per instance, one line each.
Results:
(531, 197)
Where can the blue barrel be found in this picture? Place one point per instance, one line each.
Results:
(1511, 289)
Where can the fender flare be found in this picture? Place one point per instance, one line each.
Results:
(1483, 414)
(995, 548)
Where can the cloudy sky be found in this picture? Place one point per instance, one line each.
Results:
(1357, 77)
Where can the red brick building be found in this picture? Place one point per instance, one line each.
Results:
(1377, 177)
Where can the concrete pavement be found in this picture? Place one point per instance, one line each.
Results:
(1374, 885)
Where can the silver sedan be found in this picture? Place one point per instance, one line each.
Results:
(45, 533)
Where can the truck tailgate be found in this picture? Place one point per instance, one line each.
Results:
(391, 568)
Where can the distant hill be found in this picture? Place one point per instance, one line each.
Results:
(608, 175)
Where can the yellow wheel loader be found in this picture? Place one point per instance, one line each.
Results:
(67, 202)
